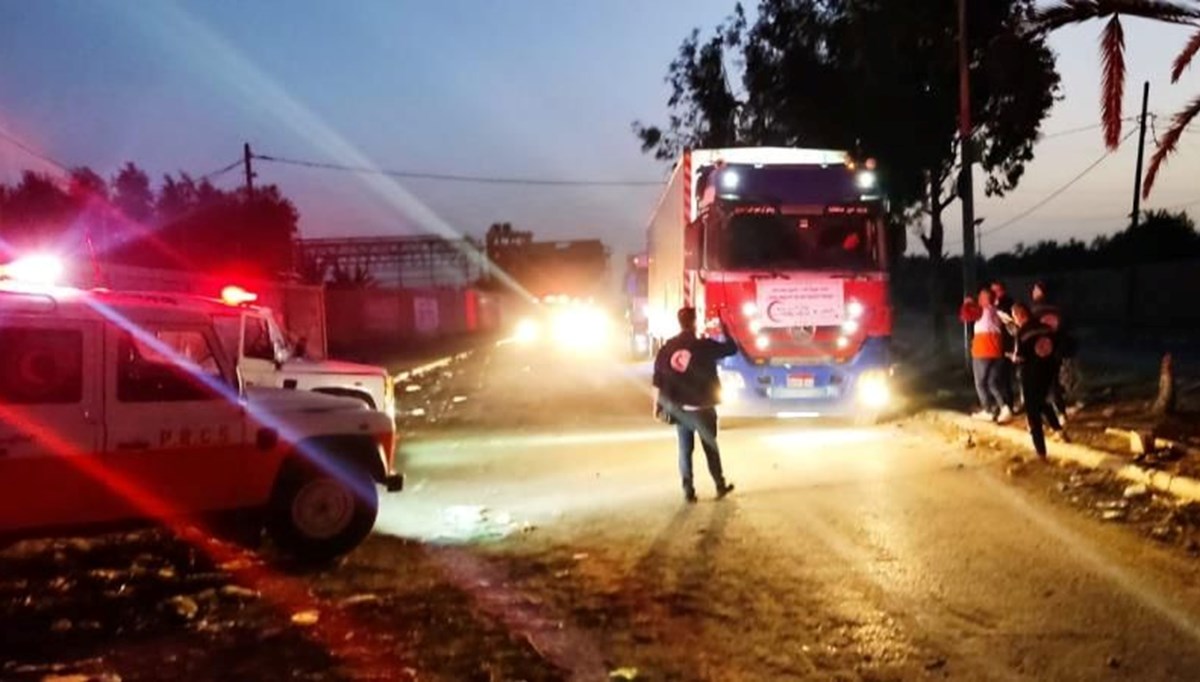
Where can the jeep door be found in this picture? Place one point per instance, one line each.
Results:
(49, 420)
(176, 427)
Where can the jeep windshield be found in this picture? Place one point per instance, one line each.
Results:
(769, 240)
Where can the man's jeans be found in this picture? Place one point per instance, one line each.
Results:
(989, 374)
(687, 424)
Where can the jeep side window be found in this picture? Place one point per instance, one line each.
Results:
(169, 366)
(41, 366)
(258, 343)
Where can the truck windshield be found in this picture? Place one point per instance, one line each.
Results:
(758, 241)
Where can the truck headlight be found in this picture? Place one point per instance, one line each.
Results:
(874, 392)
(527, 331)
(581, 327)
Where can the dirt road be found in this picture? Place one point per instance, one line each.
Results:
(543, 536)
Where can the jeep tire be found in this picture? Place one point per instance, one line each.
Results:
(316, 516)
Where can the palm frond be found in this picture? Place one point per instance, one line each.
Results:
(1185, 58)
(1170, 11)
(1112, 57)
(1065, 13)
(1170, 142)
(1068, 12)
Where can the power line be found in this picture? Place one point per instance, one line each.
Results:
(220, 171)
(16, 142)
(1054, 195)
(477, 179)
(1083, 129)
(1072, 131)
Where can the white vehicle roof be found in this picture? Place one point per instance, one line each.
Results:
(95, 304)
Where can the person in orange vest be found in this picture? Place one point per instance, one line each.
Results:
(987, 357)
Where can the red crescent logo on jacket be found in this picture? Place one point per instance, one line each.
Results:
(1050, 320)
(1044, 347)
(680, 360)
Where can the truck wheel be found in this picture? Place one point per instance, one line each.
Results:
(316, 517)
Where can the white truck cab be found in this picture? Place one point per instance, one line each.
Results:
(119, 409)
(265, 356)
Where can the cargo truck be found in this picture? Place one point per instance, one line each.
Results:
(789, 248)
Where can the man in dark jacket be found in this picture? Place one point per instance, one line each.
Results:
(1037, 355)
(1049, 313)
(687, 393)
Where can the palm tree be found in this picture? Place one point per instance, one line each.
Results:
(1112, 58)
(1181, 120)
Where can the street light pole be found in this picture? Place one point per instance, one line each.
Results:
(966, 179)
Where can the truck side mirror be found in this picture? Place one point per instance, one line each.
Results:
(692, 245)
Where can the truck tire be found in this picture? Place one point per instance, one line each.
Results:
(315, 517)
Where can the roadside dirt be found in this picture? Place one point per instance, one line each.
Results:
(147, 606)
(1099, 494)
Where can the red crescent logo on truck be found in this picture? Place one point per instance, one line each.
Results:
(771, 310)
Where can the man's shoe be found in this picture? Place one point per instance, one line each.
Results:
(1005, 415)
(983, 416)
(689, 498)
(724, 490)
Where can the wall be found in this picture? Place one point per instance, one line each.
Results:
(1156, 296)
(359, 318)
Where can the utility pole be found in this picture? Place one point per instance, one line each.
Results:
(1137, 178)
(247, 158)
(966, 178)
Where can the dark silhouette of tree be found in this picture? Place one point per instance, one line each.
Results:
(132, 195)
(185, 225)
(358, 277)
(312, 270)
(38, 213)
(1160, 236)
(877, 78)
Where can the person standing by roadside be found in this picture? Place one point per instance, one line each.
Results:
(1009, 378)
(1037, 354)
(687, 391)
(987, 356)
(1045, 310)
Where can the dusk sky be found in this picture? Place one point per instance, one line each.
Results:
(528, 88)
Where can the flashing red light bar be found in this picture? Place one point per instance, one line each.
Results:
(235, 295)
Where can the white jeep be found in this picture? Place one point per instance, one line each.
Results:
(119, 409)
(265, 357)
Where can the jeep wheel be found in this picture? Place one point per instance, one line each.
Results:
(316, 516)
